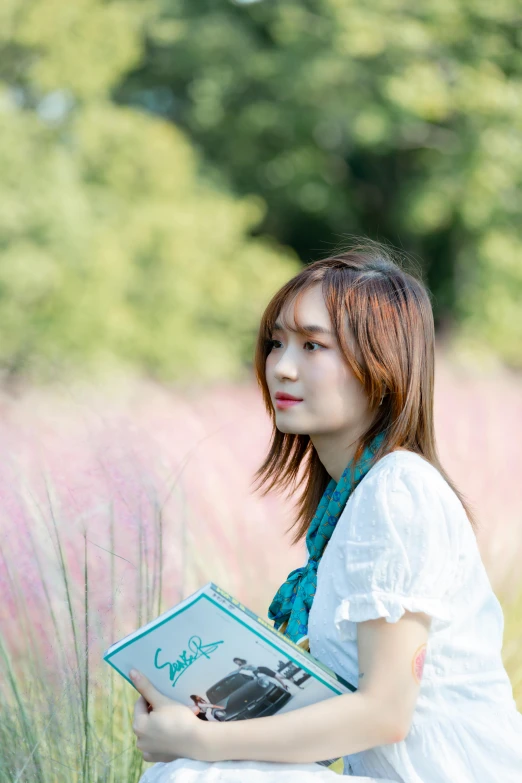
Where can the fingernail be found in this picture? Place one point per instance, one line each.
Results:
(134, 674)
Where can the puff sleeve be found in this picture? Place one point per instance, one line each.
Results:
(398, 550)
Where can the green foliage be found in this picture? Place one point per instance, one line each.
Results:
(394, 119)
(113, 249)
(126, 125)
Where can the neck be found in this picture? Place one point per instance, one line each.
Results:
(335, 452)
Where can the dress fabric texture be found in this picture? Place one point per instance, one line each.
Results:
(404, 543)
(190, 771)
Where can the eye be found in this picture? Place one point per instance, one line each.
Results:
(310, 343)
(270, 344)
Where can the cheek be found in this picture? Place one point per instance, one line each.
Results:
(337, 392)
(353, 394)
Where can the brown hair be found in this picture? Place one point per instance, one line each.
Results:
(388, 310)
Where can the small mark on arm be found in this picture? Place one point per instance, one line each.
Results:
(417, 665)
(361, 675)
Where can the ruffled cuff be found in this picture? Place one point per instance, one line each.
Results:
(392, 606)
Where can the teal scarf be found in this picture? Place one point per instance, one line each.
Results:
(293, 600)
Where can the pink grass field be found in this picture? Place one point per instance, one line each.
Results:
(139, 453)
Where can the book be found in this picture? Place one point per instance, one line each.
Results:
(225, 662)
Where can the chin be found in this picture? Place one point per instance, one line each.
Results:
(289, 430)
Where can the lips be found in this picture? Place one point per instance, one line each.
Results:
(284, 396)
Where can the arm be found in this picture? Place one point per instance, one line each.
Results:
(379, 713)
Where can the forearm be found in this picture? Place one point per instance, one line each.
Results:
(334, 727)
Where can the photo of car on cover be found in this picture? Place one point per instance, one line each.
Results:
(251, 691)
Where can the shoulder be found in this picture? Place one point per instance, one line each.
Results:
(402, 460)
(404, 489)
(395, 547)
(406, 470)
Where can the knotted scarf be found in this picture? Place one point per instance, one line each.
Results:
(293, 600)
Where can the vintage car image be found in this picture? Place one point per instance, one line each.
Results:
(244, 696)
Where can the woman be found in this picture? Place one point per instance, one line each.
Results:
(203, 709)
(394, 595)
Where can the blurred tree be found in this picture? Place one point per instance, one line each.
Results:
(397, 120)
(112, 247)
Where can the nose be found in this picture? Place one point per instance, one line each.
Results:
(284, 365)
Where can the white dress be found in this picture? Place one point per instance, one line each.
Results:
(403, 542)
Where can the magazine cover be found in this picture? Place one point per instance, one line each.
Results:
(216, 656)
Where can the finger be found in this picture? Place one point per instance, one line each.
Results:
(146, 688)
(141, 707)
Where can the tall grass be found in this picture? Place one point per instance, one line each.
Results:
(117, 503)
(66, 717)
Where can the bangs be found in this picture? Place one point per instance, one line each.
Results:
(299, 327)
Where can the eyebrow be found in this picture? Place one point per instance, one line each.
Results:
(314, 328)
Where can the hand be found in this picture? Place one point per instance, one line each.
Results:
(165, 729)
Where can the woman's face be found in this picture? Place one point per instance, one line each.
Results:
(334, 407)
